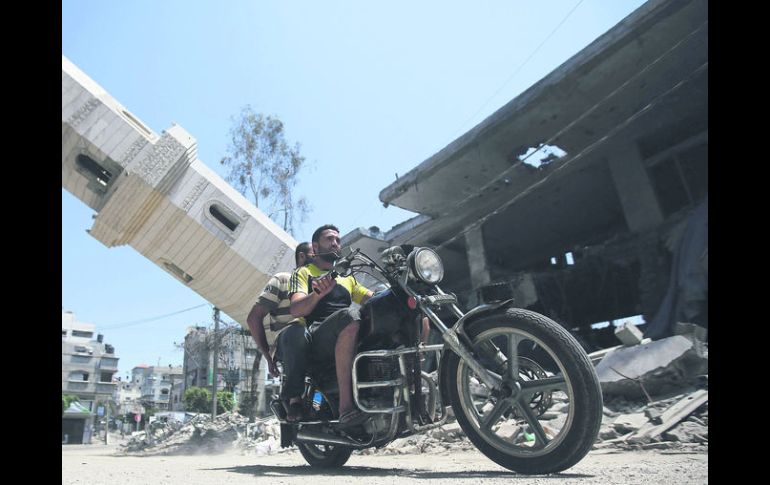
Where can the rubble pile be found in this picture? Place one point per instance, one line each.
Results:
(445, 438)
(202, 435)
(673, 370)
(677, 422)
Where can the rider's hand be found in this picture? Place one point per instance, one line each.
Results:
(323, 285)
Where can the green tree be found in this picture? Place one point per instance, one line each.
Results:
(66, 400)
(225, 401)
(262, 164)
(197, 399)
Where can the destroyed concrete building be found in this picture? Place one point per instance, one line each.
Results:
(585, 197)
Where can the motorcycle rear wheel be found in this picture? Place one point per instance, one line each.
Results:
(548, 414)
(324, 456)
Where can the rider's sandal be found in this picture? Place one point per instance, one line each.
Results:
(354, 417)
(294, 413)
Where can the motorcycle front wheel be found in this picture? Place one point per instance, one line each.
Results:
(546, 412)
(324, 456)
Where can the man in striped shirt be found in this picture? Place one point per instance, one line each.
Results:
(286, 332)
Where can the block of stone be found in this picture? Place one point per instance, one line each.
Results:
(629, 334)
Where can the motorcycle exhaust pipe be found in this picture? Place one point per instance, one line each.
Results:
(306, 436)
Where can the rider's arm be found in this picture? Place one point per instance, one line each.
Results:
(266, 302)
(302, 303)
(255, 319)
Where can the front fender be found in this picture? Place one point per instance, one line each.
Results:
(459, 328)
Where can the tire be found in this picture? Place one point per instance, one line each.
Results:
(515, 435)
(324, 456)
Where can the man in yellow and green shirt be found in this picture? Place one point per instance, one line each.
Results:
(323, 304)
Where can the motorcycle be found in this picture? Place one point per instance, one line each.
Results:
(520, 386)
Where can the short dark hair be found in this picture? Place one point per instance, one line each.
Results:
(302, 248)
(317, 233)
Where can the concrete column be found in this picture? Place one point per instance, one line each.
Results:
(477, 258)
(637, 196)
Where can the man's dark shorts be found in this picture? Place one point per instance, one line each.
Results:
(325, 333)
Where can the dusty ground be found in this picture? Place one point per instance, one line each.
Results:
(99, 464)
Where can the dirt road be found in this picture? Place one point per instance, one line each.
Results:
(98, 464)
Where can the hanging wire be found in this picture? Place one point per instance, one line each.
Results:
(517, 70)
(113, 326)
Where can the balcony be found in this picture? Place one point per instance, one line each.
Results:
(83, 386)
(81, 359)
(105, 387)
(108, 364)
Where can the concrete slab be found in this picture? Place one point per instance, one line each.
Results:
(660, 366)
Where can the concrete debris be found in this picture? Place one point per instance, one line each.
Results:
(673, 415)
(654, 368)
(200, 435)
(598, 355)
(446, 438)
(626, 423)
(677, 422)
(629, 334)
(688, 432)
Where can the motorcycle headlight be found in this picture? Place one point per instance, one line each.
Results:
(427, 265)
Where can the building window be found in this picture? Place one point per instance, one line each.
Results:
(79, 376)
(82, 349)
(164, 392)
(81, 333)
(99, 173)
(63, 333)
(224, 216)
(105, 377)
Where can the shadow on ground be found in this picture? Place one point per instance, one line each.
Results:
(366, 471)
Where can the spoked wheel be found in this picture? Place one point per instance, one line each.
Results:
(324, 456)
(544, 412)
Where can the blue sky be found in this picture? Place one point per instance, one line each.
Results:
(369, 90)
